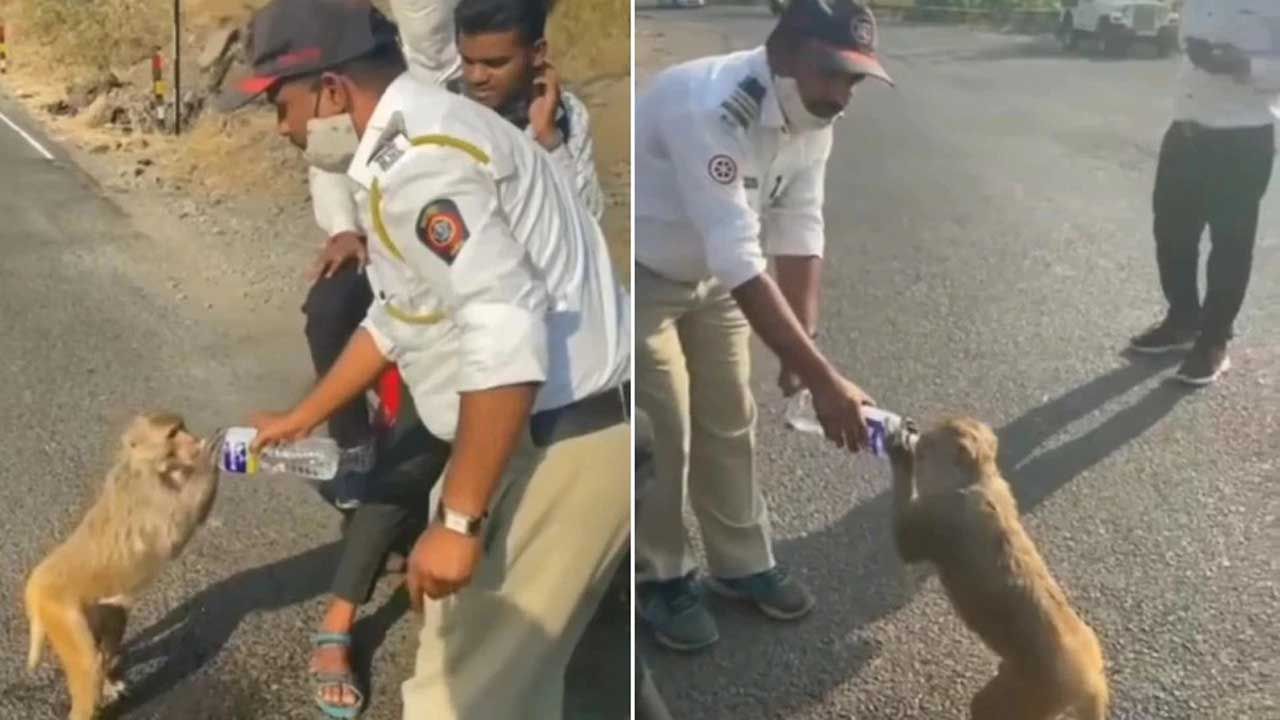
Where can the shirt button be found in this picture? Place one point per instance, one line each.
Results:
(382, 295)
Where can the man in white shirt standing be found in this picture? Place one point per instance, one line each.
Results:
(495, 296)
(729, 148)
(500, 59)
(1214, 168)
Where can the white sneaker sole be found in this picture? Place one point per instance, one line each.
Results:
(1202, 381)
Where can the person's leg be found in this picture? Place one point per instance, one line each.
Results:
(1241, 172)
(723, 487)
(666, 596)
(398, 502)
(334, 308)
(500, 647)
(1178, 204)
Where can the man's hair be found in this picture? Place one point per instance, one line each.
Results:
(527, 17)
(385, 62)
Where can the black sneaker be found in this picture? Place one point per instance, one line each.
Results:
(1205, 364)
(675, 612)
(774, 592)
(1164, 336)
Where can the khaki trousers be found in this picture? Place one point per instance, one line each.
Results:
(499, 649)
(693, 375)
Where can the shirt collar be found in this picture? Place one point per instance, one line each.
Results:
(770, 111)
(384, 123)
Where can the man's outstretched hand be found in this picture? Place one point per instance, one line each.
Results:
(276, 428)
(838, 405)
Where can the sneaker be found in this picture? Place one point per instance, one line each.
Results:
(1164, 336)
(774, 592)
(1205, 364)
(675, 612)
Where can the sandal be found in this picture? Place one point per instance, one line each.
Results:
(345, 681)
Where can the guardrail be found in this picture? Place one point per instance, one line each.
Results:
(1038, 20)
(1017, 20)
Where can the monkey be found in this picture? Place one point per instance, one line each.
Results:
(158, 491)
(965, 522)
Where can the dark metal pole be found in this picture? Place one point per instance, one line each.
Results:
(177, 67)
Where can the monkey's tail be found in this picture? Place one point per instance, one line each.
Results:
(37, 632)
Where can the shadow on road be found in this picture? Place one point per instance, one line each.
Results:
(195, 632)
(764, 669)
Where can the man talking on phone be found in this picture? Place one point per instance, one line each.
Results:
(505, 67)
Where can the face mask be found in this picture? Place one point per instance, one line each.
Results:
(799, 119)
(332, 142)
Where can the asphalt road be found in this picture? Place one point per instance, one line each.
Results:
(990, 253)
(91, 335)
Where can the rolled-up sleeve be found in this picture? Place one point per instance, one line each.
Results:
(793, 225)
(711, 158)
(379, 326)
(427, 29)
(333, 202)
(440, 209)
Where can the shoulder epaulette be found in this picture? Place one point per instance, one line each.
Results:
(742, 107)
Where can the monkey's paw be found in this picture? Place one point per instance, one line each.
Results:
(112, 691)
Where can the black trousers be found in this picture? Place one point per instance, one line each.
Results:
(1213, 177)
(334, 308)
(396, 500)
(396, 506)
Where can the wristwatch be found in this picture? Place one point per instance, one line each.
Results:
(460, 522)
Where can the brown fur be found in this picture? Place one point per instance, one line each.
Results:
(158, 492)
(965, 522)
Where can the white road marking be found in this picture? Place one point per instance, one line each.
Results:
(25, 136)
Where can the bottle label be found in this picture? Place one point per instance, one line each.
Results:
(236, 456)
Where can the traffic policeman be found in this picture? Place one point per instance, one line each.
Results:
(480, 248)
(732, 150)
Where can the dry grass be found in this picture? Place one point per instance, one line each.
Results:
(55, 42)
(591, 38)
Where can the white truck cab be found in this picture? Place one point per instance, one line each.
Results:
(1116, 24)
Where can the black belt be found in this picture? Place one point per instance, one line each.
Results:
(588, 415)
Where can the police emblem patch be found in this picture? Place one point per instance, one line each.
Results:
(863, 32)
(440, 227)
(722, 169)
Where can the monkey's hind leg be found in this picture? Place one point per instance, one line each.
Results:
(108, 622)
(72, 640)
(1095, 703)
(1011, 696)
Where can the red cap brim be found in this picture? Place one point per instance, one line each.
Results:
(243, 92)
(861, 64)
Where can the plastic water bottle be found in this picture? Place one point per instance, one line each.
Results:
(882, 425)
(316, 458)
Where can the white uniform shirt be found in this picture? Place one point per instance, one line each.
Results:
(427, 39)
(1220, 100)
(717, 169)
(334, 204)
(486, 271)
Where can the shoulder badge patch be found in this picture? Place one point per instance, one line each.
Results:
(440, 227)
(742, 107)
(391, 144)
(722, 169)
